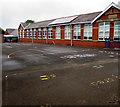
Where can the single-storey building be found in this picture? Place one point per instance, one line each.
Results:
(98, 29)
(1, 35)
(11, 35)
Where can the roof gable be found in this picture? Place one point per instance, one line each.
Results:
(9, 31)
(24, 25)
(105, 10)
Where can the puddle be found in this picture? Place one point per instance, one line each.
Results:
(8, 46)
(111, 56)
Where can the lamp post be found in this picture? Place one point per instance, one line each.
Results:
(71, 35)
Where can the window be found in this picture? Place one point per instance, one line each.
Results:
(67, 32)
(77, 32)
(21, 33)
(27, 33)
(44, 33)
(30, 33)
(50, 33)
(39, 33)
(88, 32)
(34, 33)
(104, 30)
(117, 31)
(58, 36)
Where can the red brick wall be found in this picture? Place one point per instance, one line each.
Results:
(95, 31)
(82, 42)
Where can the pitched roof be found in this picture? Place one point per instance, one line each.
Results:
(12, 31)
(78, 19)
(40, 24)
(9, 30)
(84, 18)
(24, 25)
(15, 32)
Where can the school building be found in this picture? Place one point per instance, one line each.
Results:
(98, 29)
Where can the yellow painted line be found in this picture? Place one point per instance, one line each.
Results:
(44, 79)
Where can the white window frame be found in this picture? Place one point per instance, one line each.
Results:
(34, 33)
(21, 33)
(104, 31)
(88, 32)
(31, 33)
(44, 33)
(58, 32)
(27, 33)
(77, 32)
(39, 33)
(117, 31)
(50, 33)
(68, 32)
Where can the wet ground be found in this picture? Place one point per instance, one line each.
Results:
(36, 74)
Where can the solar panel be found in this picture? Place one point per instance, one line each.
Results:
(63, 20)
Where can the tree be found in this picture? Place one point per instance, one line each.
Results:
(1, 31)
(29, 21)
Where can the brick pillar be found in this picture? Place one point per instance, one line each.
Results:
(111, 29)
(95, 31)
(37, 33)
(53, 32)
(41, 33)
(82, 32)
(72, 31)
(25, 33)
(62, 32)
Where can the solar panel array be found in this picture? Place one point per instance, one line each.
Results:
(63, 20)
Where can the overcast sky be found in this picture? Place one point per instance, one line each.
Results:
(13, 12)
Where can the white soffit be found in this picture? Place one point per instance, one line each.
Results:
(63, 20)
(10, 36)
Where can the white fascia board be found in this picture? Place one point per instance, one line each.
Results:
(112, 4)
(22, 26)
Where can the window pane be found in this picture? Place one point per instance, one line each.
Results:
(117, 22)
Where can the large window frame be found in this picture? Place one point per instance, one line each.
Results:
(58, 32)
(50, 33)
(88, 32)
(39, 33)
(22, 33)
(104, 31)
(117, 31)
(44, 33)
(77, 32)
(27, 33)
(34, 33)
(31, 33)
(68, 32)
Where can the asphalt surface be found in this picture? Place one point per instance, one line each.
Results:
(35, 74)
